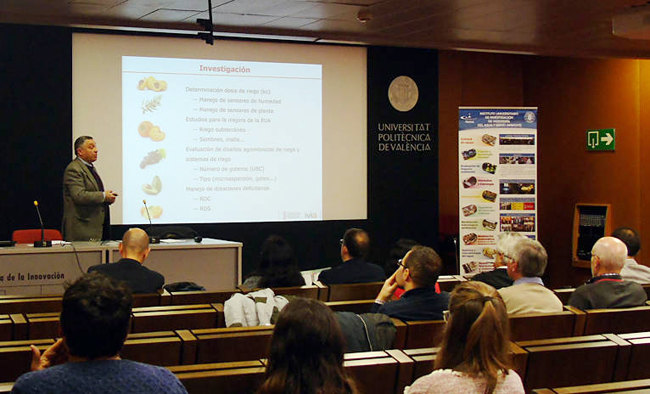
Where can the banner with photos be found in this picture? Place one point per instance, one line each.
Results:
(497, 167)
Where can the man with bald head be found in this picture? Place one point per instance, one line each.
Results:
(134, 249)
(606, 288)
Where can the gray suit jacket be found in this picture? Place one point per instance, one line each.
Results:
(83, 204)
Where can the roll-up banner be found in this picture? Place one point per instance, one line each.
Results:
(497, 188)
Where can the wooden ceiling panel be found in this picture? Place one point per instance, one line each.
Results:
(575, 27)
(165, 14)
(290, 22)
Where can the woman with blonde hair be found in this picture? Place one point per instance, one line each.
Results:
(473, 357)
(306, 354)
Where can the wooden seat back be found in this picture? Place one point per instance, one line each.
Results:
(373, 372)
(542, 325)
(449, 282)
(42, 325)
(173, 317)
(354, 291)
(157, 348)
(6, 327)
(617, 321)
(628, 386)
(564, 294)
(358, 306)
(424, 334)
(16, 357)
(639, 366)
(201, 297)
(232, 344)
(221, 378)
(23, 304)
(570, 361)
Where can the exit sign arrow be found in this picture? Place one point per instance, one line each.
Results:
(607, 138)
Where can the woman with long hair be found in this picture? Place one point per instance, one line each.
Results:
(306, 354)
(277, 267)
(473, 357)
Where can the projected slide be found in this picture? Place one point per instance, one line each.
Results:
(221, 141)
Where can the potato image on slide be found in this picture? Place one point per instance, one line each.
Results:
(147, 129)
(154, 187)
(151, 83)
(155, 211)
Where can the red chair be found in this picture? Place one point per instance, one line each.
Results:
(34, 234)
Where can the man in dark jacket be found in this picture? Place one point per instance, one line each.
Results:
(134, 249)
(417, 274)
(355, 247)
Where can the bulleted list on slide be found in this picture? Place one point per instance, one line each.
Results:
(221, 141)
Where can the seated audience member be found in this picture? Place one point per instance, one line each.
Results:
(397, 251)
(306, 353)
(632, 270)
(94, 320)
(417, 274)
(355, 247)
(277, 268)
(606, 288)
(134, 249)
(527, 294)
(498, 277)
(473, 356)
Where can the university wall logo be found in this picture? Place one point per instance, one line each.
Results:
(403, 93)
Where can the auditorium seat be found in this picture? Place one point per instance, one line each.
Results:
(16, 357)
(201, 297)
(449, 282)
(29, 304)
(617, 321)
(42, 325)
(158, 348)
(232, 344)
(221, 378)
(173, 317)
(572, 361)
(6, 327)
(351, 291)
(423, 334)
(544, 325)
(29, 236)
(358, 306)
(311, 291)
(564, 294)
(639, 365)
(373, 372)
(628, 386)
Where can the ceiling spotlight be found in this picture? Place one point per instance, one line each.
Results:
(364, 15)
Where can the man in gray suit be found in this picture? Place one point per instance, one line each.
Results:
(85, 202)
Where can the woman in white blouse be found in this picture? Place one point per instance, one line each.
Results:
(473, 357)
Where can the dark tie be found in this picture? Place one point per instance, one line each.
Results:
(100, 184)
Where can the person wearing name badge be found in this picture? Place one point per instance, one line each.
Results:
(86, 215)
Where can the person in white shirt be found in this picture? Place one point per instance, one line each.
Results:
(632, 270)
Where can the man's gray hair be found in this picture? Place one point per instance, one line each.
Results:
(506, 242)
(531, 257)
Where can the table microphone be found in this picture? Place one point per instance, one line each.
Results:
(152, 238)
(42, 243)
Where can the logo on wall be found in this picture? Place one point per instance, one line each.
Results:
(403, 93)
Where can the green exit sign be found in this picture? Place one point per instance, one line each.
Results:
(601, 140)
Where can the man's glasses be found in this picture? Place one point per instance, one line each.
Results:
(400, 264)
(341, 241)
